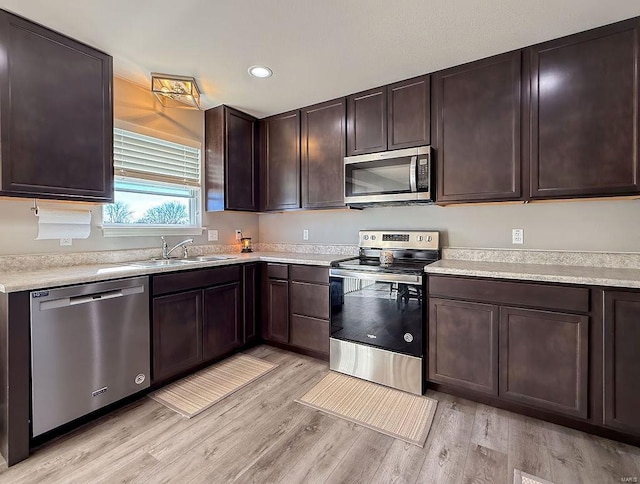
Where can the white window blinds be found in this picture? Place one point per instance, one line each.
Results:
(147, 158)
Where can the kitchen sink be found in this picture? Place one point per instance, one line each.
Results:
(178, 262)
(207, 258)
(159, 262)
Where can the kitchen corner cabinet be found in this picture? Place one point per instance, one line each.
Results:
(622, 360)
(323, 152)
(56, 115)
(585, 113)
(389, 117)
(477, 130)
(196, 317)
(231, 163)
(280, 161)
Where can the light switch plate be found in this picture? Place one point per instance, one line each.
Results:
(305, 234)
(212, 235)
(238, 234)
(66, 242)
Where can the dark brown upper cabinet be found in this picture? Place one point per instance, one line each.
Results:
(56, 115)
(585, 113)
(390, 117)
(231, 168)
(280, 161)
(409, 113)
(367, 122)
(477, 130)
(323, 152)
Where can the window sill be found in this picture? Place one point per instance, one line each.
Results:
(132, 231)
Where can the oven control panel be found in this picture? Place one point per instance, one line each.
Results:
(399, 239)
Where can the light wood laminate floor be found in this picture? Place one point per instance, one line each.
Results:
(260, 434)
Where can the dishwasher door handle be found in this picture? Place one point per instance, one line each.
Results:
(74, 301)
(84, 299)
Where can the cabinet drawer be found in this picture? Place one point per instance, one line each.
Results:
(310, 333)
(187, 280)
(309, 299)
(318, 275)
(574, 299)
(278, 271)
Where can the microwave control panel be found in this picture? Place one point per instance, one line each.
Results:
(423, 174)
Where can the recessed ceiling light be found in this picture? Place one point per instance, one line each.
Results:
(260, 71)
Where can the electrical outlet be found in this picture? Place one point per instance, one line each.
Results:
(212, 235)
(517, 236)
(305, 234)
(66, 241)
(238, 234)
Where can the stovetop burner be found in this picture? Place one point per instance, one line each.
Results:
(411, 249)
(402, 266)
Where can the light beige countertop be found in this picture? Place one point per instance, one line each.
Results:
(592, 276)
(15, 281)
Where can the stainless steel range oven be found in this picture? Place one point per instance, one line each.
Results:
(377, 309)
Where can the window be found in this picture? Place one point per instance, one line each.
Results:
(157, 186)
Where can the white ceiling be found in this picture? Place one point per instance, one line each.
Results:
(318, 49)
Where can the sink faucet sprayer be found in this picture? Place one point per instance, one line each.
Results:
(166, 251)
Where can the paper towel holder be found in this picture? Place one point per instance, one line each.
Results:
(35, 207)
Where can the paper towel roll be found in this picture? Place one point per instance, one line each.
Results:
(63, 224)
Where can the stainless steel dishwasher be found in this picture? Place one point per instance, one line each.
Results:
(90, 347)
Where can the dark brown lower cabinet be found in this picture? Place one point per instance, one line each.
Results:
(177, 333)
(463, 344)
(296, 308)
(251, 297)
(544, 360)
(534, 348)
(277, 311)
(222, 330)
(310, 333)
(197, 317)
(622, 361)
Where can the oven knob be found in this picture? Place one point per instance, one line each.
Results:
(366, 237)
(429, 238)
(408, 337)
(420, 238)
(373, 237)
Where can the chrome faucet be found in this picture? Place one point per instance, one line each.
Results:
(166, 251)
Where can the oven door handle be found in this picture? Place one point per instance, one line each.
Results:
(382, 277)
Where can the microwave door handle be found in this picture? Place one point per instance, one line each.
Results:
(413, 174)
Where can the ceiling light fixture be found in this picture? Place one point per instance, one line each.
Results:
(260, 71)
(175, 91)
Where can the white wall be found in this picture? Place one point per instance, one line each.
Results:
(135, 108)
(577, 225)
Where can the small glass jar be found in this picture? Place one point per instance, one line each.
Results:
(386, 258)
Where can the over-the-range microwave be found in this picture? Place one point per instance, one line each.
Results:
(388, 178)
